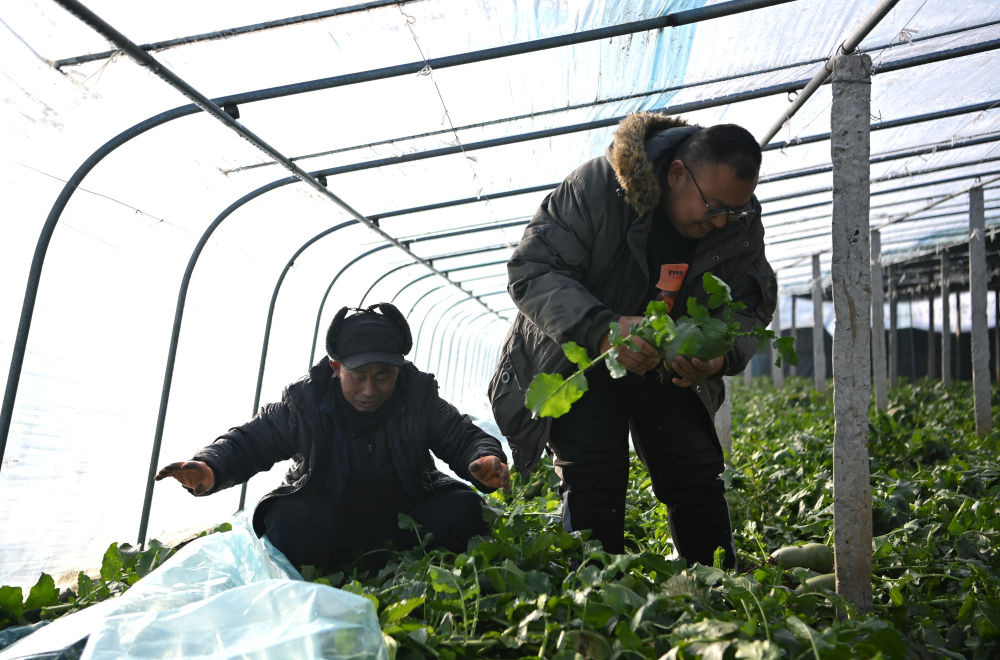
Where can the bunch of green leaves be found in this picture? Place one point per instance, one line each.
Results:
(935, 504)
(532, 589)
(529, 588)
(705, 332)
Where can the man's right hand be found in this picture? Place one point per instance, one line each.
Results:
(639, 361)
(196, 476)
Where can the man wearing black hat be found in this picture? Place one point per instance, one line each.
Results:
(359, 428)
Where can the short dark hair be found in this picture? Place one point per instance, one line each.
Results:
(723, 144)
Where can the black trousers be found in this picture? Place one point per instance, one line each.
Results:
(675, 439)
(310, 530)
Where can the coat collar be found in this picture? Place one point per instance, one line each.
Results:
(640, 140)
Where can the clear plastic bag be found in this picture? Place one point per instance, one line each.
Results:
(226, 595)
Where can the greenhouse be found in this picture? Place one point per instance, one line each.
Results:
(192, 191)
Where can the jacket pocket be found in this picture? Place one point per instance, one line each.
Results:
(525, 435)
(763, 275)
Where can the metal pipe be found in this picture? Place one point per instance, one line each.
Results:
(613, 121)
(846, 47)
(417, 301)
(431, 237)
(450, 369)
(467, 338)
(437, 324)
(892, 123)
(267, 328)
(447, 332)
(34, 277)
(458, 369)
(38, 260)
(204, 104)
(157, 46)
(675, 88)
(381, 277)
(921, 151)
(825, 232)
(450, 270)
(884, 191)
(209, 106)
(420, 332)
(171, 359)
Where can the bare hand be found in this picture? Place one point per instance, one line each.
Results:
(196, 476)
(639, 361)
(491, 471)
(693, 370)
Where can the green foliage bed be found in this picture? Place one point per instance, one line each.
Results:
(533, 590)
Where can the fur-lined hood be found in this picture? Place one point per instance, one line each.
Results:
(631, 162)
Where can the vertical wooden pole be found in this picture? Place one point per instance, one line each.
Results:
(996, 335)
(724, 419)
(852, 497)
(931, 339)
(777, 373)
(980, 333)
(748, 373)
(913, 352)
(878, 326)
(819, 350)
(913, 334)
(945, 320)
(893, 331)
(794, 334)
(956, 350)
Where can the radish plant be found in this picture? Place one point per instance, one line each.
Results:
(705, 332)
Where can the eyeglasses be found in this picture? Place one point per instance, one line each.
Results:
(731, 214)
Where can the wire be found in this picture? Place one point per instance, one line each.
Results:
(429, 72)
(26, 44)
(107, 197)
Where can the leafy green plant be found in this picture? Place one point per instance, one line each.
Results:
(529, 588)
(699, 333)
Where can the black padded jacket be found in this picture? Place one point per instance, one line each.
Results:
(296, 429)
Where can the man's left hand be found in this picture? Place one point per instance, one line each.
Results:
(491, 471)
(688, 372)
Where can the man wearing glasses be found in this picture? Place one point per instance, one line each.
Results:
(668, 202)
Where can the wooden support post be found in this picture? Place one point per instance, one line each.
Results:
(893, 331)
(724, 419)
(777, 373)
(956, 349)
(980, 333)
(852, 496)
(748, 373)
(879, 362)
(931, 340)
(913, 333)
(945, 321)
(793, 332)
(996, 335)
(819, 350)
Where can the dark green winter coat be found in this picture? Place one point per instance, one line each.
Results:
(581, 264)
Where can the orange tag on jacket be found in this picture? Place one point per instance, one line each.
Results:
(671, 278)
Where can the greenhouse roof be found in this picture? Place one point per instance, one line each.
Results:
(193, 178)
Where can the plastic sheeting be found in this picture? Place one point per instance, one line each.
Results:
(226, 595)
